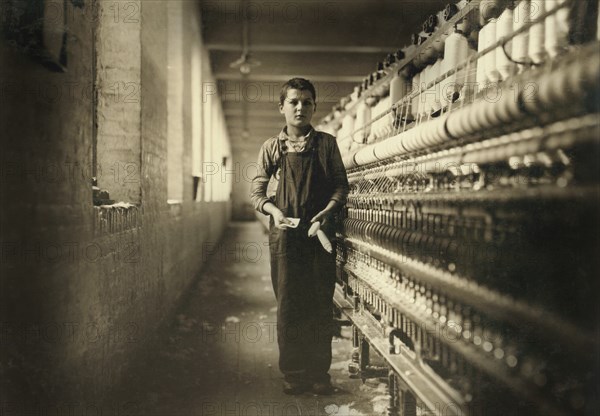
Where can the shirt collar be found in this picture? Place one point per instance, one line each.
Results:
(284, 136)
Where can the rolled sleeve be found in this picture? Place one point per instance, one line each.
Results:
(339, 177)
(260, 182)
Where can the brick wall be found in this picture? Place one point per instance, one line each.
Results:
(78, 300)
(118, 79)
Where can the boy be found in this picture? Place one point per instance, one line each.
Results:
(311, 183)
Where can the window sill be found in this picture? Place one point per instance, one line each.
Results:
(114, 218)
(175, 207)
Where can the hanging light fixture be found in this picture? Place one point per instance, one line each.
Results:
(245, 63)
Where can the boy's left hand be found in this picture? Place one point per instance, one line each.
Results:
(321, 217)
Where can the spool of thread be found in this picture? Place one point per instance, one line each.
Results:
(491, 109)
(551, 93)
(561, 25)
(375, 112)
(363, 117)
(349, 158)
(416, 87)
(424, 101)
(393, 146)
(503, 28)
(456, 52)
(479, 121)
(551, 31)
(348, 125)
(443, 85)
(365, 155)
(469, 73)
(491, 69)
(467, 77)
(551, 90)
(354, 95)
(387, 119)
(590, 76)
(520, 44)
(508, 107)
(537, 51)
(348, 102)
(341, 133)
(582, 82)
(435, 91)
(457, 122)
(344, 145)
(480, 77)
(399, 87)
(434, 133)
(378, 127)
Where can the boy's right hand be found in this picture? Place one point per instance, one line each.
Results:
(280, 220)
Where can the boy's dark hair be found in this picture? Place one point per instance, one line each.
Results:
(297, 84)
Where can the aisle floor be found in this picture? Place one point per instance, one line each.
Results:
(219, 354)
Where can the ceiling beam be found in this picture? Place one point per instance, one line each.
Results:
(234, 75)
(362, 23)
(328, 66)
(228, 47)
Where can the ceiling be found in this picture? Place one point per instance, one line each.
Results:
(335, 44)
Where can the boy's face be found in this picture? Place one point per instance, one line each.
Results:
(298, 107)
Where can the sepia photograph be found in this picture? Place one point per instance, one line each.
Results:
(299, 208)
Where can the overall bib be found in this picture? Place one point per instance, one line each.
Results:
(302, 272)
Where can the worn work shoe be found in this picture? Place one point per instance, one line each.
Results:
(294, 388)
(322, 388)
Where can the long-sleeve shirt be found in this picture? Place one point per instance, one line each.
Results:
(268, 161)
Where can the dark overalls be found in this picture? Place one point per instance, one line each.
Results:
(302, 272)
